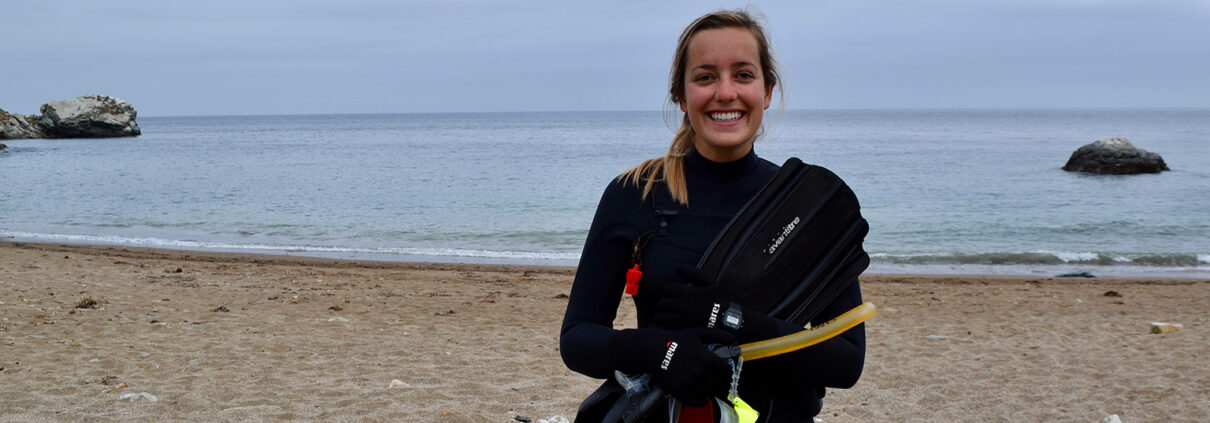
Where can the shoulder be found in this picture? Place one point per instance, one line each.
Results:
(621, 194)
(765, 170)
(765, 166)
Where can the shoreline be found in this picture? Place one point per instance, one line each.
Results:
(270, 258)
(224, 336)
(876, 267)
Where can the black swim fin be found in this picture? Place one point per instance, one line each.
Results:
(793, 248)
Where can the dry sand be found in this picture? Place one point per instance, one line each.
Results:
(224, 337)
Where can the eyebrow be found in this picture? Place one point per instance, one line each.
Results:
(710, 66)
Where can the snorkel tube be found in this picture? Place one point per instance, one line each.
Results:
(809, 337)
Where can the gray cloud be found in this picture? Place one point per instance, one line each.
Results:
(271, 57)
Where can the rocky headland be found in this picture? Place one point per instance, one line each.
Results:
(90, 116)
(1114, 156)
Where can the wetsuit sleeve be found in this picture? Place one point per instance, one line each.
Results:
(835, 363)
(599, 282)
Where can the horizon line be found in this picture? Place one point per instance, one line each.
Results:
(809, 109)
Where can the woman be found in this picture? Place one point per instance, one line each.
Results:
(659, 218)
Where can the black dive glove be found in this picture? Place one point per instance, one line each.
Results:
(696, 304)
(677, 361)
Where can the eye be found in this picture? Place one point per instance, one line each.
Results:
(704, 77)
(745, 76)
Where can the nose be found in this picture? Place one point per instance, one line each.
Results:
(725, 90)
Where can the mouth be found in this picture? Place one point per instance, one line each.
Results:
(726, 116)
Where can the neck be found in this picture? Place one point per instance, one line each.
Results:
(723, 155)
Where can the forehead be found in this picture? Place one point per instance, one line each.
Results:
(723, 47)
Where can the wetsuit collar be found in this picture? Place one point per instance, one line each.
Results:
(720, 172)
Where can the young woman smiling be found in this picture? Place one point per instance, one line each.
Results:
(658, 218)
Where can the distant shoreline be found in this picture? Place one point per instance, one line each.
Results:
(144, 115)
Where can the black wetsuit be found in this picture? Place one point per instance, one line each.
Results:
(784, 388)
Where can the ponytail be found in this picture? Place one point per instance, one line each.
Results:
(670, 169)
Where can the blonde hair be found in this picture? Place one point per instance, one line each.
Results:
(671, 167)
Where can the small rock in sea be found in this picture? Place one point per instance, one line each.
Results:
(1112, 294)
(974, 357)
(1162, 328)
(134, 396)
(1113, 418)
(1114, 156)
(221, 308)
(1079, 301)
(1076, 275)
(936, 337)
(396, 383)
(523, 419)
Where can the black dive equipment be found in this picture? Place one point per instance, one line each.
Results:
(795, 247)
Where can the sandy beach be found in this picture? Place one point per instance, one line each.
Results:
(227, 337)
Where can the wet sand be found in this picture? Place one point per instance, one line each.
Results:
(230, 337)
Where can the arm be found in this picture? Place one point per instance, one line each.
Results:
(597, 289)
(836, 363)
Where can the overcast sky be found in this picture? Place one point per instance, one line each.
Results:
(223, 57)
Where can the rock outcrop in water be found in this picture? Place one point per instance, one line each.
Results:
(1114, 156)
(90, 116)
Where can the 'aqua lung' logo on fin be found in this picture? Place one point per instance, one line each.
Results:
(781, 237)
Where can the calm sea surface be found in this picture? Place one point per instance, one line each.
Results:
(944, 191)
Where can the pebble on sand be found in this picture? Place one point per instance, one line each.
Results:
(396, 383)
(1113, 418)
(1161, 327)
(133, 396)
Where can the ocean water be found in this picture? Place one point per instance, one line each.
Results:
(945, 191)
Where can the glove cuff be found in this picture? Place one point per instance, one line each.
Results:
(733, 318)
(756, 326)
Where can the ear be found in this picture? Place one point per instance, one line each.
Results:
(682, 104)
(768, 95)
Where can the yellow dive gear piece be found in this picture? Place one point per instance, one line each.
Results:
(808, 337)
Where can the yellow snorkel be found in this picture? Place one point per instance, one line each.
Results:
(808, 337)
(740, 411)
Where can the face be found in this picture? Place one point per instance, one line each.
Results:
(725, 94)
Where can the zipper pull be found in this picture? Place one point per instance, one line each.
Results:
(633, 275)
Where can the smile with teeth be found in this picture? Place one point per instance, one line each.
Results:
(726, 116)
